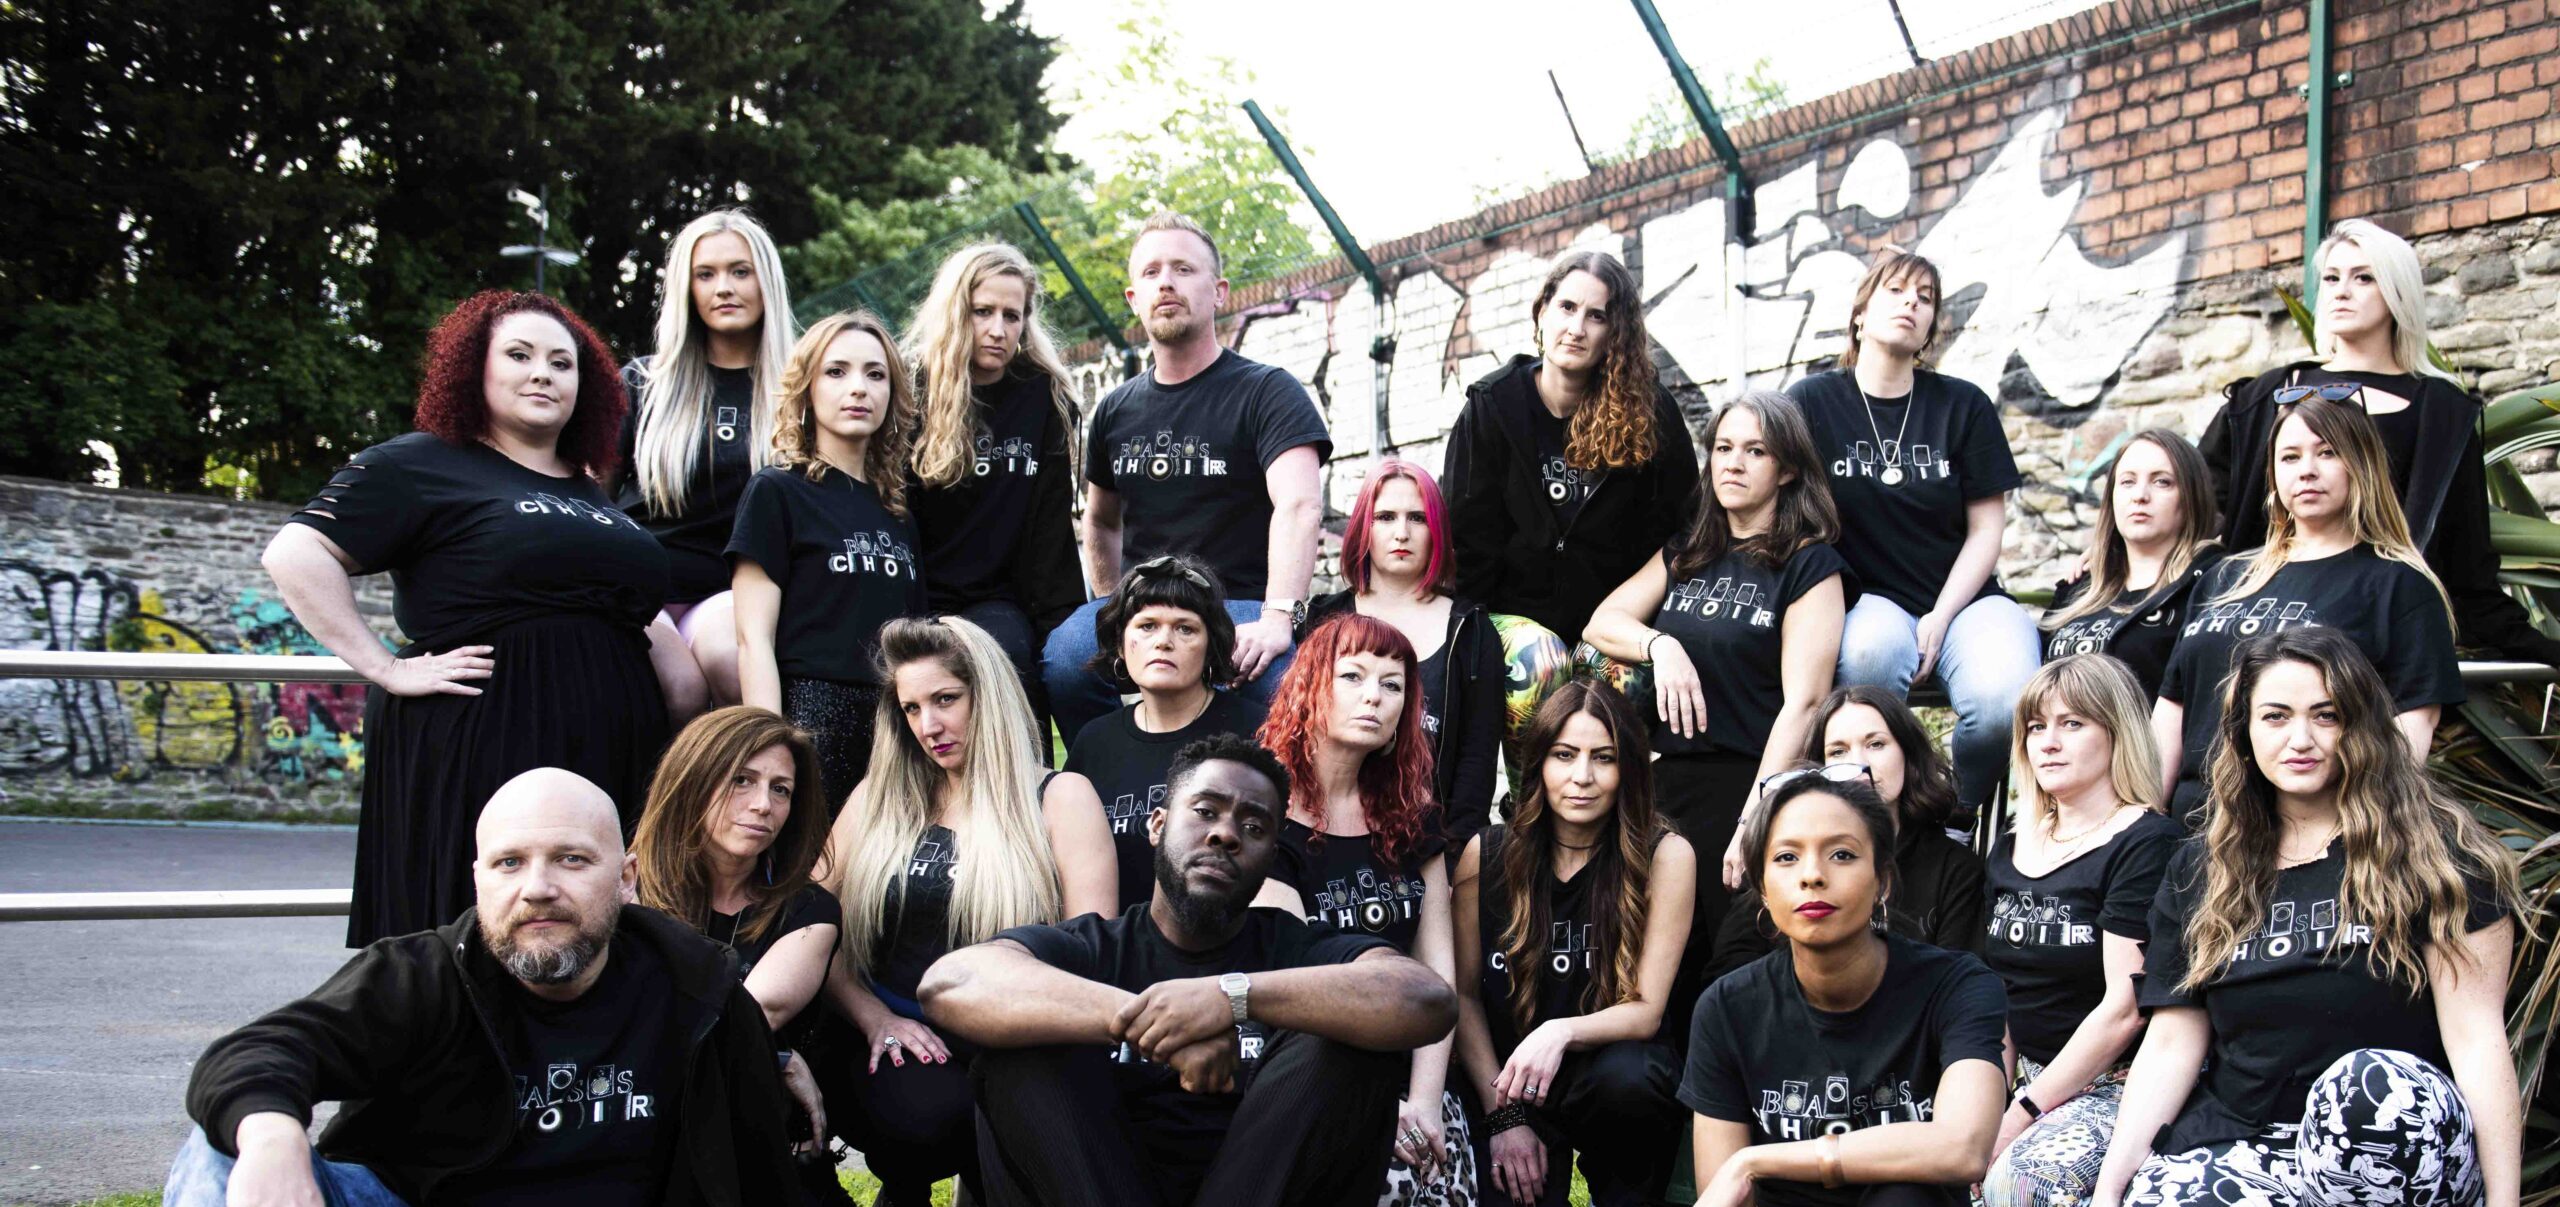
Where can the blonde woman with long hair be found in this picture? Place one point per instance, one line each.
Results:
(2071, 891)
(701, 425)
(2333, 956)
(2338, 555)
(823, 553)
(2370, 351)
(995, 477)
(956, 833)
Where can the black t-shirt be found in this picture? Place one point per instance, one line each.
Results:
(2390, 610)
(1348, 886)
(1564, 980)
(2044, 934)
(475, 542)
(1433, 672)
(1730, 617)
(2295, 997)
(695, 537)
(598, 1083)
(845, 565)
(916, 930)
(1187, 462)
(1175, 1128)
(1566, 488)
(971, 528)
(1903, 474)
(2140, 627)
(1759, 1054)
(1127, 766)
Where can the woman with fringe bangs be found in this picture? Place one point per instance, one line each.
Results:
(2153, 542)
(1362, 850)
(2337, 555)
(995, 470)
(527, 597)
(2333, 956)
(700, 425)
(958, 832)
(1569, 923)
(1565, 470)
(823, 553)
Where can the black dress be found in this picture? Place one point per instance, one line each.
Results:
(483, 551)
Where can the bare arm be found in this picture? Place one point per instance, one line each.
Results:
(1101, 539)
(679, 676)
(2164, 1070)
(2470, 991)
(999, 995)
(2418, 725)
(1666, 933)
(1088, 865)
(2169, 731)
(1808, 656)
(757, 603)
(1621, 626)
(1984, 522)
(1476, 1057)
(1433, 947)
(2094, 1046)
(316, 579)
(790, 975)
(1294, 481)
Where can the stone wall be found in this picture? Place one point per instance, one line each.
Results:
(84, 568)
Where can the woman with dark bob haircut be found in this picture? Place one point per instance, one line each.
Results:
(1853, 1067)
(1166, 635)
(527, 597)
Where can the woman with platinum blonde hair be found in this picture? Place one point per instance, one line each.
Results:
(2372, 354)
(2071, 891)
(701, 425)
(994, 462)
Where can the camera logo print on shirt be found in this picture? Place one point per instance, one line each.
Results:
(1128, 813)
(1565, 484)
(1367, 904)
(2296, 928)
(546, 503)
(1568, 946)
(569, 1096)
(1015, 456)
(1794, 1111)
(1739, 604)
(724, 423)
(874, 553)
(932, 860)
(1166, 457)
(1870, 459)
(2025, 920)
(2250, 617)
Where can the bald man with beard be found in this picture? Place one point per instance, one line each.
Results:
(551, 1045)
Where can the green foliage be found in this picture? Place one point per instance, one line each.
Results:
(1754, 92)
(242, 220)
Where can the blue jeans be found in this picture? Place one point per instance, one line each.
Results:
(1990, 651)
(201, 1177)
(1078, 697)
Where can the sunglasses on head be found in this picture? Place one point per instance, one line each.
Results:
(1169, 566)
(1837, 773)
(2342, 391)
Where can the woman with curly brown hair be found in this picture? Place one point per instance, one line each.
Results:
(1362, 850)
(1566, 469)
(824, 552)
(1930, 502)
(527, 598)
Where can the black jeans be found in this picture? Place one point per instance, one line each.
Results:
(1614, 1106)
(1315, 1127)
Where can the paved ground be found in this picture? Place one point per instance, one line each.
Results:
(100, 1021)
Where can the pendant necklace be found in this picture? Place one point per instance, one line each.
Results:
(1892, 453)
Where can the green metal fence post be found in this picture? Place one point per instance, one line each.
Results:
(1382, 350)
(2315, 149)
(1075, 285)
(1737, 180)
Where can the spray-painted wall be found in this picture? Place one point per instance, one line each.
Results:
(88, 569)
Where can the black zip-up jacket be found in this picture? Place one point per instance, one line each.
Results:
(2446, 498)
(406, 1038)
(1471, 718)
(1514, 556)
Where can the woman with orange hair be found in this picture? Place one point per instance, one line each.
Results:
(1361, 850)
(526, 595)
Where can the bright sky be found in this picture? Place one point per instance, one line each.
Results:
(1405, 111)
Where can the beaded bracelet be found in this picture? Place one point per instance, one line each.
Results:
(1506, 1118)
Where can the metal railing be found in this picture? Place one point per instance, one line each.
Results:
(288, 668)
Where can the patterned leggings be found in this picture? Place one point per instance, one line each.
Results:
(2380, 1129)
(2054, 1163)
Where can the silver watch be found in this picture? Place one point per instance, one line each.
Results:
(1234, 985)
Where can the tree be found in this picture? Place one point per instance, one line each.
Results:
(1666, 122)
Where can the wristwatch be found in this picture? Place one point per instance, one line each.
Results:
(1294, 609)
(1234, 985)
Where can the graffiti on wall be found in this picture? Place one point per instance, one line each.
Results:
(2032, 317)
(286, 734)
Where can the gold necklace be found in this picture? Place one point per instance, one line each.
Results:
(2317, 852)
(2051, 836)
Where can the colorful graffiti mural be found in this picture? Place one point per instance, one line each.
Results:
(284, 734)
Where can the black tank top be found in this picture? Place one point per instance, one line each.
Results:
(917, 924)
(1563, 977)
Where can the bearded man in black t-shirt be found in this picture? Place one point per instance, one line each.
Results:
(1192, 1050)
(552, 1045)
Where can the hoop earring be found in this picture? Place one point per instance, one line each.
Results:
(1884, 917)
(768, 869)
(1764, 925)
(1120, 669)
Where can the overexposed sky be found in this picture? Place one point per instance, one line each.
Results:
(1412, 112)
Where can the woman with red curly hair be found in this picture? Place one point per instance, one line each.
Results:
(1362, 847)
(526, 596)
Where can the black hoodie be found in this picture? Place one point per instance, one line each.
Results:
(1514, 555)
(405, 1036)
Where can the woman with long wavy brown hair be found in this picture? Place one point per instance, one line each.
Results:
(1570, 920)
(1362, 849)
(2333, 956)
(1566, 469)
